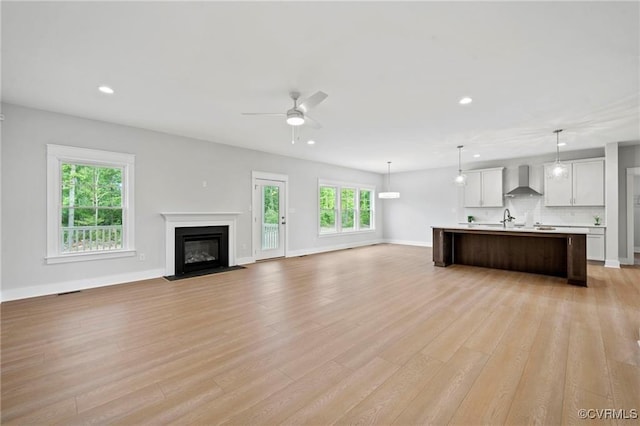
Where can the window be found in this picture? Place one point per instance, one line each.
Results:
(365, 209)
(328, 212)
(344, 208)
(89, 204)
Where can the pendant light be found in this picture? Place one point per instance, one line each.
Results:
(461, 179)
(388, 193)
(558, 170)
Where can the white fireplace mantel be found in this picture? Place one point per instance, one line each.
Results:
(173, 220)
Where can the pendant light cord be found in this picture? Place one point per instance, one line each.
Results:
(388, 175)
(557, 132)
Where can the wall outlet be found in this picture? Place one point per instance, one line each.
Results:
(142, 257)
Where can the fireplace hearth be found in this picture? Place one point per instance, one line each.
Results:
(201, 248)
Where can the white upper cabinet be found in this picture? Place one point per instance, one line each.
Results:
(473, 189)
(583, 187)
(484, 188)
(588, 183)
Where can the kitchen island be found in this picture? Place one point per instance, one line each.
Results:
(540, 251)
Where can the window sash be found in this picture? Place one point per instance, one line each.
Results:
(348, 212)
(102, 240)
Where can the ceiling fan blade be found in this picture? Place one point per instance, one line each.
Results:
(311, 122)
(272, 114)
(312, 101)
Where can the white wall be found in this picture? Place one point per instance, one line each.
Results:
(427, 198)
(636, 214)
(612, 258)
(169, 174)
(628, 157)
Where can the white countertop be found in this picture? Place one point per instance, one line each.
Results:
(559, 230)
(518, 224)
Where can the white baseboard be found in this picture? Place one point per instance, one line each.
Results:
(610, 263)
(409, 243)
(63, 287)
(316, 250)
(245, 260)
(636, 249)
(626, 261)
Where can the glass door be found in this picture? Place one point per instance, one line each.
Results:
(270, 219)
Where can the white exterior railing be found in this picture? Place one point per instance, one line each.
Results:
(270, 236)
(91, 238)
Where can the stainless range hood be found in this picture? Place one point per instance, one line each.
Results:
(523, 189)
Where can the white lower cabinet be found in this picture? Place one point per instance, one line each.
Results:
(595, 244)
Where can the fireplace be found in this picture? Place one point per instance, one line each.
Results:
(176, 220)
(201, 248)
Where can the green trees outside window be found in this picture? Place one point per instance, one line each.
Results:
(348, 208)
(350, 204)
(327, 209)
(271, 204)
(365, 209)
(91, 216)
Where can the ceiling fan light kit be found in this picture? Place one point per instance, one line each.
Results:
(297, 116)
(388, 194)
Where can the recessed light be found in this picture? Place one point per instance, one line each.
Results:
(476, 155)
(465, 101)
(106, 90)
(311, 142)
(562, 143)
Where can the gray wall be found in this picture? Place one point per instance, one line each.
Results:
(628, 157)
(636, 214)
(427, 198)
(168, 178)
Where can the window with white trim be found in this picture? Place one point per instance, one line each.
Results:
(344, 208)
(89, 204)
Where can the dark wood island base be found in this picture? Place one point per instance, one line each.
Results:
(548, 253)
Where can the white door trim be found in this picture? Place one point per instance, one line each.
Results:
(255, 232)
(631, 173)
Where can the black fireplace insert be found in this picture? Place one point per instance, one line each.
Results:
(201, 248)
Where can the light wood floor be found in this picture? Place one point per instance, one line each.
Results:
(371, 335)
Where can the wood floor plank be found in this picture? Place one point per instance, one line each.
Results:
(293, 397)
(625, 381)
(117, 408)
(64, 409)
(588, 367)
(231, 403)
(390, 398)
(539, 396)
(175, 406)
(370, 335)
(489, 399)
(328, 407)
(438, 401)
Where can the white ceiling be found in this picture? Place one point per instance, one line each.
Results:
(394, 73)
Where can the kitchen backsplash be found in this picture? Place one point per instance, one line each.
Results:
(523, 206)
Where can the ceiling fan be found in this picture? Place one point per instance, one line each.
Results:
(297, 115)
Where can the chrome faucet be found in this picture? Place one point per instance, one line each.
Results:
(506, 217)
